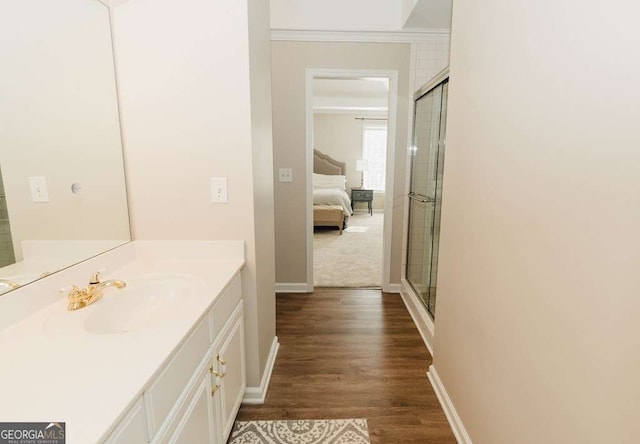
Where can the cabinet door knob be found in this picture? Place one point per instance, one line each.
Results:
(213, 371)
(215, 389)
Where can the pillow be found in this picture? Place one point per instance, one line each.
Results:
(325, 181)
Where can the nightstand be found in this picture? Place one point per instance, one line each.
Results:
(360, 195)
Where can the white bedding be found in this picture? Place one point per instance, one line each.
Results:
(332, 196)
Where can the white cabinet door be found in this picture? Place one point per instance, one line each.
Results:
(228, 362)
(133, 428)
(197, 422)
(170, 385)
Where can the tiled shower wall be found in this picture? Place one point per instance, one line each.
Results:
(428, 58)
(7, 255)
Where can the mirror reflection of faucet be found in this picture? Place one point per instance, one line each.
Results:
(7, 284)
(81, 297)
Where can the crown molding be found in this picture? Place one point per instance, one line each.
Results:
(371, 112)
(408, 36)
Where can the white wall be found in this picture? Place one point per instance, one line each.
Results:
(59, 119)
(340, 136)
(192, 108)
(537, 332)
(263, 196)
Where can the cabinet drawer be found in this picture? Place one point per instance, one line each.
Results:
(169, 385)
(225, 305)
(362, 195)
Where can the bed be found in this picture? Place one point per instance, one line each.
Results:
(331, 203)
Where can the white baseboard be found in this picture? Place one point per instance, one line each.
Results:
(393, 288)
(419, 314)
(286, 287)
(256, 395)
(450, 412)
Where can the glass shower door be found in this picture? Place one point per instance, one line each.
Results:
(437, 210)
(425, 194)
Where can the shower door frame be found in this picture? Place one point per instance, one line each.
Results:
(422, 318)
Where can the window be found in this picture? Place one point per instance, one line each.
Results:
(374, 154)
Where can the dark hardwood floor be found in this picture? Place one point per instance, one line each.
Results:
(350, 353)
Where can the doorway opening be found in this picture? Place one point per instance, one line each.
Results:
(351, 128)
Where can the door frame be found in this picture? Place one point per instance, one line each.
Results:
(392, 75)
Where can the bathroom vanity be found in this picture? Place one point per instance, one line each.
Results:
(196, 395)
(160, 361)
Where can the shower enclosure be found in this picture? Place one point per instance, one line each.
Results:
(7, 256)
(425, 193)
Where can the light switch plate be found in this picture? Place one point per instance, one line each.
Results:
(285, 174)
(219, 190)
(38, 187)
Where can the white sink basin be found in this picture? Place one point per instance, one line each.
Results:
(146, 302)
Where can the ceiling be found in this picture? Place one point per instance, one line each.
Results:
(367, 96)
(361, 15)
(430, 14)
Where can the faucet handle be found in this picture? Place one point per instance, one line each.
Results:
(77, 294)
(95, 277)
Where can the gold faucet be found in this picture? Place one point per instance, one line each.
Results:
(81, 297)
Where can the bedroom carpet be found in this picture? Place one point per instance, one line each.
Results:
(353, 259)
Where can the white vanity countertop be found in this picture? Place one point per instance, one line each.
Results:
(57, 371)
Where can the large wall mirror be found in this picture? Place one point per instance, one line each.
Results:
(62, 188)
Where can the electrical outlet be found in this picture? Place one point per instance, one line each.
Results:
(219, 190)
(38, 187)
(286, 174)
